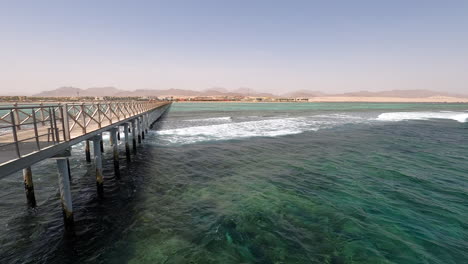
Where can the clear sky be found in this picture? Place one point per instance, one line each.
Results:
(267, 45)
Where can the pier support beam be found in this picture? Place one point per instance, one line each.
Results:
(118, 133)
(65, 193)
(115, 149)
(139, 129)
(146, 123)
(101, 144)
(134, 136)
(98, 164)
(127, 145)
(142, 126)
(69, 169)
(87, 152)
(29, 187)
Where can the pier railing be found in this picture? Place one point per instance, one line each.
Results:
(28, 128)
(35, 132)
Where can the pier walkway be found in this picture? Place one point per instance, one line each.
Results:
(34, 132)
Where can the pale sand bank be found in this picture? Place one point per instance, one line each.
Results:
(435, 99)
(337, 99)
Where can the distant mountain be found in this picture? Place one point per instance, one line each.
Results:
(401, 94)
(167, 92)
(61, 92)
(111, 91)
(217, 91)
(252, 92)
(100, 91)
(73, 91)
(304, 93)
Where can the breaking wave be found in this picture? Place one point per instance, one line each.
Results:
(226, 128)
(400, 116)
(261, 128)
(211, 119)
(272, 127)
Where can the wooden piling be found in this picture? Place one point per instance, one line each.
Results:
(115, 148)
(127, 145)
(139, 129)
(98, 164)
(101, 144)
(142, 126)
(65, 192)
(29, 187)
(69, 169)
(134, 136)
(147, 123)
(87, 152)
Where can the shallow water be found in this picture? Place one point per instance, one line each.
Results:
(262, 183)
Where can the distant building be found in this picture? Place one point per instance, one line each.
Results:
(285, 100)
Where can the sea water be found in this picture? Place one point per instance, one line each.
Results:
(261, 183)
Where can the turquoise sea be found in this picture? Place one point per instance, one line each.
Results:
(261, 183)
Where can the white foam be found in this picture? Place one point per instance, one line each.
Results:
(224, 128)
(400, 116)
(261, 128)
(211, 119)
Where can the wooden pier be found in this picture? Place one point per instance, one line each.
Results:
(34, 132)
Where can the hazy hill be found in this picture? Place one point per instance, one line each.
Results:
(167, 92)
(304, 93)
(100, 91)
(401, 94)
(61, 92)
(112, 91)
(73, 91)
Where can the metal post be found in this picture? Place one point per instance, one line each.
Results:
(42, 113)
(134, 136)
(99, 115)
(15, 135)
(87, 152)
(36, 133)
(51, 121)
(118, 133)
(66, 124)
(83, 117)
(127, 145)
(98, 164)
(139, 129)
(65, 193)
(29, 187)
(56, 130)
(17, 117)
(115, 147)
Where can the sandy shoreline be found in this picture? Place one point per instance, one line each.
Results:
(437, 99)
(333, 99)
